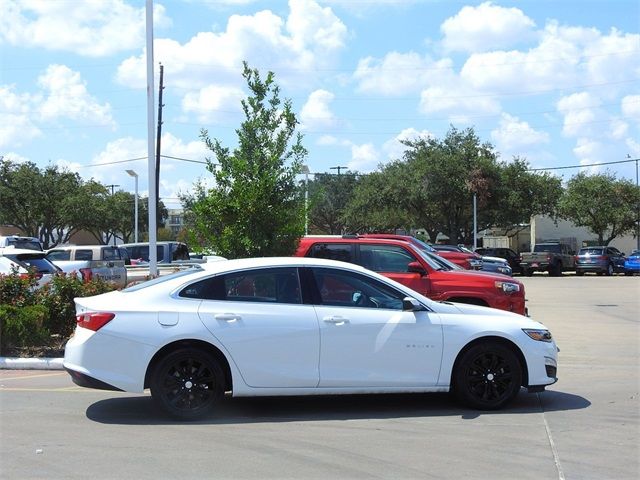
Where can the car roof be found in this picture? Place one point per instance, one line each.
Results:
(353, 239)
(19, 251)
(242, 263)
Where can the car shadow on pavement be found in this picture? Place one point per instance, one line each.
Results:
(141, 410)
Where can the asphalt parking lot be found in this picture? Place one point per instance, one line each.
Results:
(584, 427)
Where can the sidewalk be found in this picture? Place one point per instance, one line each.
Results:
(12, 363)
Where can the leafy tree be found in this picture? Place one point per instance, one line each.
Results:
(42, 203)
(520, 194)
(329, 195)
(380, 202)
(608, 207)
(255, 207)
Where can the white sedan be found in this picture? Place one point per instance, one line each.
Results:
(299, 326)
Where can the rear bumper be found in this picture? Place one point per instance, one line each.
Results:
(591, 267)
(84, 380)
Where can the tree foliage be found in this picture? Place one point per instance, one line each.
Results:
(255, 207)
(608, 207)
(329, 195)
(433, 186)
(52, 204)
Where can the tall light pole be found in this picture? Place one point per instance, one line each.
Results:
(135, 175)
(305, 170)
(153, 194)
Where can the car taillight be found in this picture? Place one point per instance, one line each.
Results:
(576, 258)
(87, 274)
(94, 321)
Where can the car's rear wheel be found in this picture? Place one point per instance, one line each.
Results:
(609, 271)
(487, 376)
(187, 383)
(579, 273)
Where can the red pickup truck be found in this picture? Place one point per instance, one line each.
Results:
(410, 266)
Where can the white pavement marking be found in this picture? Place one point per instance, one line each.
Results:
(552, 444)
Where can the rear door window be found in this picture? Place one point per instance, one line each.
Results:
(333, 251)
(59, 255)
(84, 255)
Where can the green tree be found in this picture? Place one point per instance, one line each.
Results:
(256, 207)
(605, 205)
(329, 195)
(42, 203)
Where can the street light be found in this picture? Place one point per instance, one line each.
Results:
(135, 175)
(305, 169)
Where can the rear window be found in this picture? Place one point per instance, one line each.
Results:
(34, 262)
(555, 248)
(26, 243)
(590, 251)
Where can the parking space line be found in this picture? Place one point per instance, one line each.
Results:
(62, 389)
(552, 444)
(26, 377)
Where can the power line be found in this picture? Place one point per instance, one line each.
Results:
(583, 165)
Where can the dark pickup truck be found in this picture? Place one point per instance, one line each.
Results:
(552, 257)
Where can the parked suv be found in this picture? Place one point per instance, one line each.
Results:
(405, 263)
(27, 243)
(607, 260)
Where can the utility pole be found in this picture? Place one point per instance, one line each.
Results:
(338, 168)
(112, 191)
(158, 136)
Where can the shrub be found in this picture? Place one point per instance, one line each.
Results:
(57, 296)
(17, 290)
(23, 326)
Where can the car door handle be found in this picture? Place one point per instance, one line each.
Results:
(227, 317)
(338, 320)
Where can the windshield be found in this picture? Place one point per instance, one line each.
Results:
(423, 246)
(547, 247)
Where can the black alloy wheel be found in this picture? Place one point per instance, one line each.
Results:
(187, 383)
(488, 376)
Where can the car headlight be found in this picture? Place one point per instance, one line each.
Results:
(508, 287)
(539, 335)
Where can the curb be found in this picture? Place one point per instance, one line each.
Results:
(8, 363)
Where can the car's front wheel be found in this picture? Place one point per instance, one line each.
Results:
(487, 376)
(187, 383)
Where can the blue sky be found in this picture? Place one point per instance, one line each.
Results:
(554, 81)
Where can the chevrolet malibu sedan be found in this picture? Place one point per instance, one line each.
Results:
(299, 326)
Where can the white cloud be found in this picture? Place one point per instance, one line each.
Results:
(589, 151)
(486, 27)
(16, 110)
(579, 110)
(316, 112)
(395, 149)
(513, 135)
(88, 27)
(398, 73)
(458, 100)
(309, 38)
(330, 141)
(364, 158)
(67, 97)
(213, 103)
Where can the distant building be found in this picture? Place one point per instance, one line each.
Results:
(175, 220)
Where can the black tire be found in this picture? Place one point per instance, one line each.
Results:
(528, 272)
(555, 270)
(187, 383)
(579, 273)
(610, 270)
(488, 376)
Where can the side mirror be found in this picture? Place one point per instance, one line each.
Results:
(415, 267)
(412, 305)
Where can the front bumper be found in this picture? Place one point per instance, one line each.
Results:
(542, 363)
